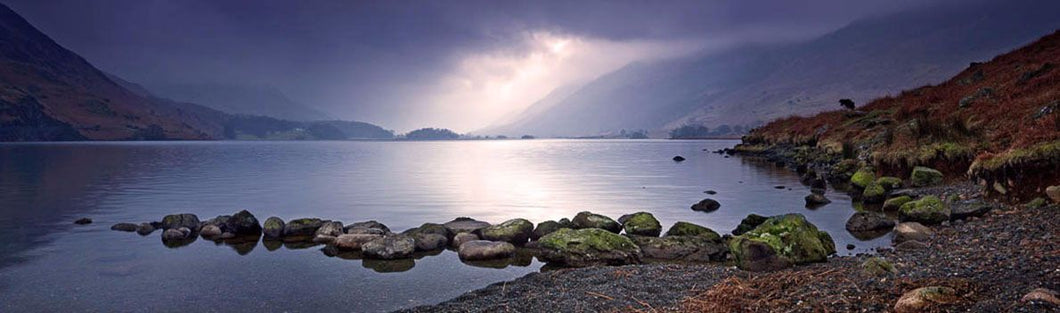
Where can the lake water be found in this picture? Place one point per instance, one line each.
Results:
(49, 264)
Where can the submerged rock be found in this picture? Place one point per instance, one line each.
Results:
(302, 227)
(588, 247)
(485, 250)
(925, 176)
(780, 242)
(127, 227)
(706, 205)
(683, 248)
(689, 229)
(928, 210)
(187, 220)
(748, 223)
(545, 228)
(389, 247)
(273, 227)
(586, 219)
(642, 224)
(516, 231)
(868, 221)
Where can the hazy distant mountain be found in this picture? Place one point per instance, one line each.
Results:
(50, 93)
(241, 99)
(752, 84)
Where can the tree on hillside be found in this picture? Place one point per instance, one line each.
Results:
(847, 103)
(431, 134)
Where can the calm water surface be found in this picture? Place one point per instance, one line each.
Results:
(49, 264)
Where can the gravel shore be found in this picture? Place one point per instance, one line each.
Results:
(991, 261)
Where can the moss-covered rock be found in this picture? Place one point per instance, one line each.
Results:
(684, 248)
(845, 169)
(896, 202)
(273, 227)
(925, 176)
(515, 231)
(588, 247)
(873, 193)
(889, 182)
(689, 229)
(814, 200)
(642, 224)
(188, 220)
(545, 228)
(780, 242)
(748, 223)
(586, 219)
(928, 210)
(863, 177)
(302, 227)
(877, 266)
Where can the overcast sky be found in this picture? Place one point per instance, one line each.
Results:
(411, 64)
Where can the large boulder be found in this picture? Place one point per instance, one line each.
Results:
(369, 227)
(706, 205)
(863, 177)
(641, 224)
(545, 228)
(485, 250)
(896, 202)
(748, 223)
(187, 220)
(516, 231)
(389, 247)
(464, 225)
(689, 229)
(683, 248)
(925, 176)
(925, 299)
(780, 242)
(354, 242)
(911, 231)
(273, 227)
(928, 210)
(588, 247)
(586, 219)
(302, 227)
(242, 223)
(868, 221)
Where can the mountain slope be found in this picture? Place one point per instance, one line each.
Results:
(241, 99)
(750, 85)
(50, 93)
(997, 121)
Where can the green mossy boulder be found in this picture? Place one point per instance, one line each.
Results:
(273, 227)
(889, 182)
(873, 193)
(514, 231)
(588, 247)
(896, 202)
(748, 223)
(928, 210)
(586, 219)
(780, 242)
(642, 224)
(689, 229)
(545, 228)
(863, 177)
(925, 176)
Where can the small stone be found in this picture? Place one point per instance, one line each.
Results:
(877, 266)
(850, 246)
(710, 192)
(679, 158)
(925, 298)
(83, 221)
(814, 199)
(706, 205)
(210, 231)
(911, 245)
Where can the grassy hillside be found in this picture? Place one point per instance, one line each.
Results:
(996, 122)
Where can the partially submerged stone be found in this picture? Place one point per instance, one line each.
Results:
(925, 176)
(863, 177)
(429, 236)
(368, 227)
(779, 242)
(925, 298)
(588, 247)
(868, 221)
(389, 247)
(126, 227)
(273, 227)
(815, 199)
(485, 250)
(516, 231)
(642, 224)
(83, 221)
(354, 242)
(330, 228)
(928, 210)
(210, 231)
(462, 238)
(302, 227)
(242, 223)
(689, 229)
(706, 205)
(896, 202)
(586, 219)
(187, 220)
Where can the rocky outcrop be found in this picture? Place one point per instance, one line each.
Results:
(927, 210)
(187, 220)
(780, 242)
(588, 247)
(641, 224)
(389, 247)
(485, 250)
(515, 231)
(706, 205)
(586, 219)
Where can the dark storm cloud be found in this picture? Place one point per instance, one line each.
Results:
(367, 60)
